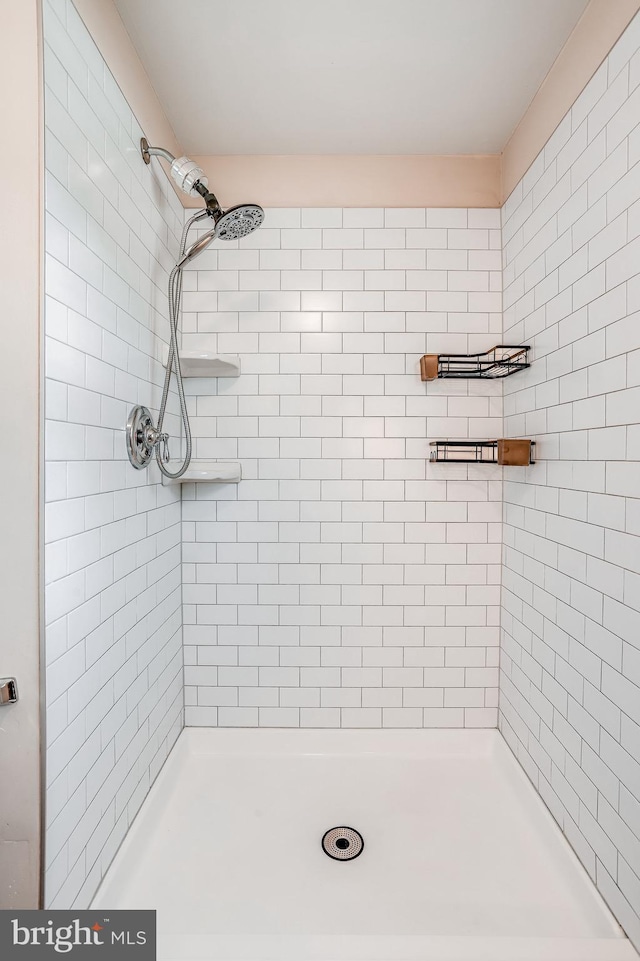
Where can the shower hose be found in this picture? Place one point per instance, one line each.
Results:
(173, 364)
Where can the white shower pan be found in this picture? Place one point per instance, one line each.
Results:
(462, 861)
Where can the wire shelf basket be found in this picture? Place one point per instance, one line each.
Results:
(507, 451)
(501, 361)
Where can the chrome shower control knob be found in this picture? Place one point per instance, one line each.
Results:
(141, 437)
(150, 436)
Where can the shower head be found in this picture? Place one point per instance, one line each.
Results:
(238, 221)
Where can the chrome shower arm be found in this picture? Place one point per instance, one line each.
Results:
(149, 152)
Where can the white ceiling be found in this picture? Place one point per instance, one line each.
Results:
(347, 76)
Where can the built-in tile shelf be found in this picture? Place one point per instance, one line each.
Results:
(507, 451)
(204, 363)
(500, 361)
(208, 472)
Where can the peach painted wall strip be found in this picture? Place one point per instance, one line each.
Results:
(105, 25)
(352, 181)
(355, 181)
(589, 43)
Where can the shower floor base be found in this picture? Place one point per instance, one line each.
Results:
(462, 861)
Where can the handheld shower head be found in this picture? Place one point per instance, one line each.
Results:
(196, 248)
(229, 225)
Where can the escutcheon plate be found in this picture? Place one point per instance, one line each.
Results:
(139, 424)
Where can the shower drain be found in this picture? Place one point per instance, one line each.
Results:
(342, 844)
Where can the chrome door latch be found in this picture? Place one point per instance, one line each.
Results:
(8, 690)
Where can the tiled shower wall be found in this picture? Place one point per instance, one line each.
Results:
(570, 681)
(345, 581)
(113, 618)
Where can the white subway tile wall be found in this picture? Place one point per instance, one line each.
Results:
(345, 581)
(570, 659)
(112, 562)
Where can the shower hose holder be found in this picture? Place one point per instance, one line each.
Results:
(143, 438)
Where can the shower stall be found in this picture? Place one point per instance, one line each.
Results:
(308, 693)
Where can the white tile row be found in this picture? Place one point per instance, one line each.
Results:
(335, 717)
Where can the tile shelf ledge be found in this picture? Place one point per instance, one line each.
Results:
(204, 363)
(208, 472)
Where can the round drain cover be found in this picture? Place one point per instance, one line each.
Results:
(342, 844)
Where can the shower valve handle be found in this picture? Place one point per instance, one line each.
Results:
(158, 439)
(151, 437)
